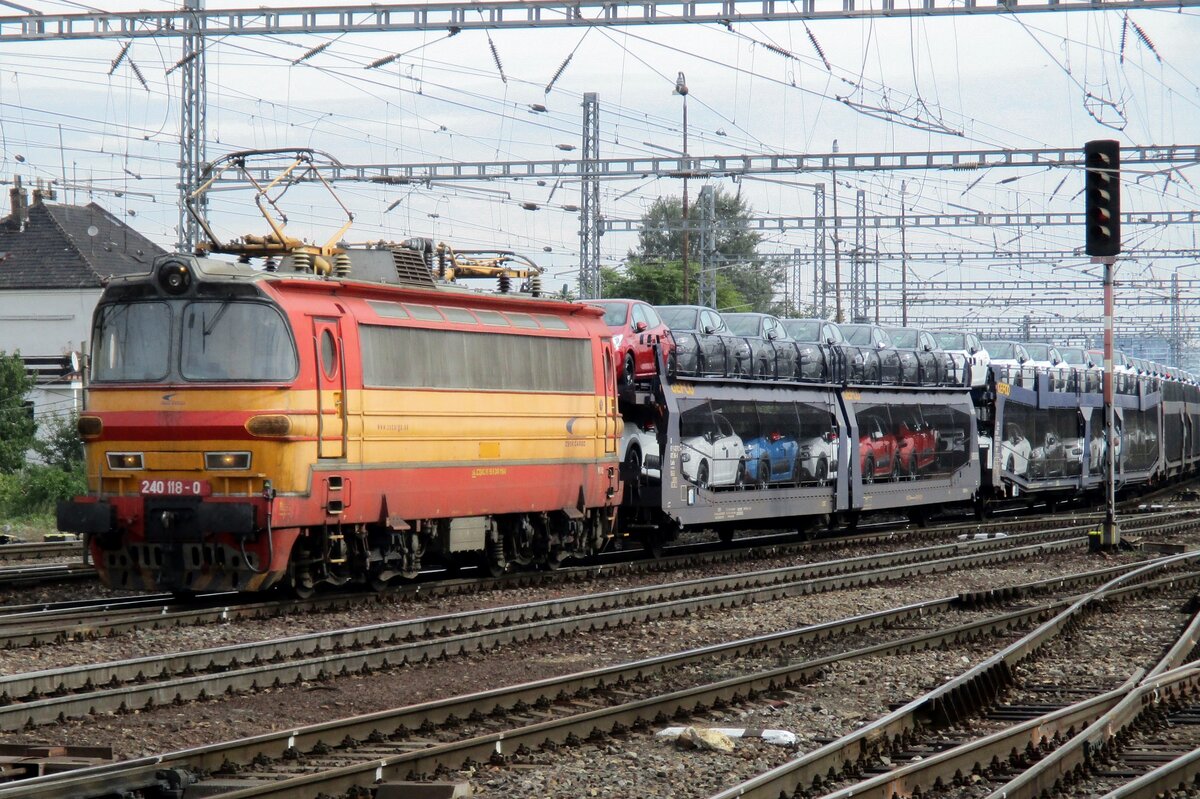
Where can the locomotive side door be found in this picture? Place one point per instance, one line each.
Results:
(609, 406)
(331, 388)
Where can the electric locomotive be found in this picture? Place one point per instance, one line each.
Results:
(249, 427)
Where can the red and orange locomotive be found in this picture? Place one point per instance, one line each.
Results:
(247, 428)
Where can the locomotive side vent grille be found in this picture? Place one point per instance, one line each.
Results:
(411, 268)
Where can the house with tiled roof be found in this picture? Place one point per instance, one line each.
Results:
(54, 260)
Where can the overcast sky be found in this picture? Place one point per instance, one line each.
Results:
(1019, 81)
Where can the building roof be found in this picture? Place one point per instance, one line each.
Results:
(70, 246)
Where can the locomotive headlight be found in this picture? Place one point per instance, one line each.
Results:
(174, 277)
(226, 460)
(124, 460)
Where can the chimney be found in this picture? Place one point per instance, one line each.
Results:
(19, 202)
(44, 191)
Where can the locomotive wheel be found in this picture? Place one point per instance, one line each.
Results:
(378, 584)
(869, 470)
(493, 567)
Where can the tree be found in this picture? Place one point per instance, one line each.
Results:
(17, 428)
(745, 282)
(60, 444)
(660, 283)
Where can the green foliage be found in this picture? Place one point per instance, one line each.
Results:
(654, 272)
(60, 444)
(36, 490)
(17, 427)
(661, 236)
(661, 283)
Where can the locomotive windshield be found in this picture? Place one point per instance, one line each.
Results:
(217, 341)
(130, 343)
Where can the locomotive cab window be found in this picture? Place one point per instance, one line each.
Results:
(235, 341)
(132, 342)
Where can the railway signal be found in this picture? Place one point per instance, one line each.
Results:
(1102, 189)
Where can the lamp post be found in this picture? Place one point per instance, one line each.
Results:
(682, 90)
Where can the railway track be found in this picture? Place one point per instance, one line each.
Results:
(45, 697)
(335, 757)
(47, 623)
(39, 550)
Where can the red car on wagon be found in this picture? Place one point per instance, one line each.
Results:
(636, 328)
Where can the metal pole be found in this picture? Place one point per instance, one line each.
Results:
(903, 263)
(682, 90)
(837, 258)
(1110, 535)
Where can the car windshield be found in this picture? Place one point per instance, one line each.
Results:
(859, 335)
(1038, 352)
(803, 329)
(679, 318)
(1073, 356)
(904, 338)
(615, 313)
(952, 341)
(1000, 349)
(741, 325)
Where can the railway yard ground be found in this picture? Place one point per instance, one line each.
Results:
(792, 668)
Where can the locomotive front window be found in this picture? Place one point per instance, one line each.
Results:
(235, 341)
(132, 342)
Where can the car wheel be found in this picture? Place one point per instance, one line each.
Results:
(822, 472)
(912, 468)
(672, 366)
(764, 474)
(1008, 467)
(633, 464)
(701, 366)
(895, 468)
(702, 474)
(764, 370)
(869, 470)
(630, 371)
(740, 477)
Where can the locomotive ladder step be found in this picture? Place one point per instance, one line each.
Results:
(337, 537)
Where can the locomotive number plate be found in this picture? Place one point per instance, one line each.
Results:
(176, 488)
